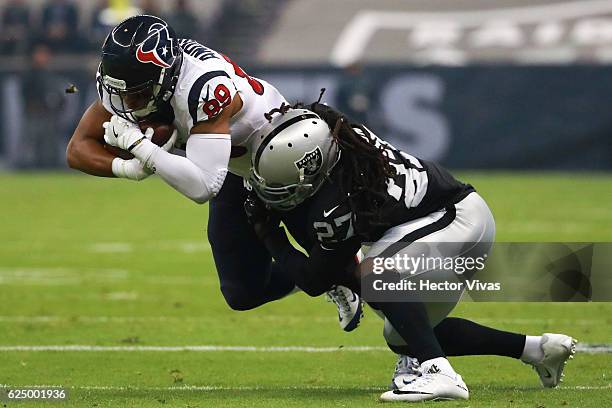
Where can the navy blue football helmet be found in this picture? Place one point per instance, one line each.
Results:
(141, 62)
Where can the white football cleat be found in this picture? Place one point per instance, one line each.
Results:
(350, 308)
(557, 348)
(432, 385)
(406, 371)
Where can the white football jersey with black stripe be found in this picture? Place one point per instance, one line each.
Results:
(207, 83)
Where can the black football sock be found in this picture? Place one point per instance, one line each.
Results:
(461, 337)
(410, 320)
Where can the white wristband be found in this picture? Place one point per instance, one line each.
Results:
(118, 169)
(144, 150)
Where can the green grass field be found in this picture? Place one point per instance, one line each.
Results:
(95, 262)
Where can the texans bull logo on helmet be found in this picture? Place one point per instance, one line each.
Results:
(157, 48)
(311, 162)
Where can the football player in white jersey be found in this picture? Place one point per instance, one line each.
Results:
(146, 72)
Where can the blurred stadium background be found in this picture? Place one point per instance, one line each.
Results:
(510, 90)
(475, 84)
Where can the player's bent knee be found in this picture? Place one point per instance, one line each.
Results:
(239, 299)
(313, 287)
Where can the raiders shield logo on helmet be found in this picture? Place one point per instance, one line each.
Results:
(311, 162)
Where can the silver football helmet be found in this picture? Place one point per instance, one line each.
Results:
(293, 155)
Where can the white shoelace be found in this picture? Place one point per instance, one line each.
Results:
(406, 365)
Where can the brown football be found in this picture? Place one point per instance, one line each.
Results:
(161, 134)
(115, 151)
(162, 131)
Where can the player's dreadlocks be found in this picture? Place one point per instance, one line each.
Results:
(365, 168)
(284, 108)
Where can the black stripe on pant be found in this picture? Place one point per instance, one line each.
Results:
(410, 319)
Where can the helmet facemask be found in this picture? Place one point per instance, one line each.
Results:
(133, 103)
(286, 197)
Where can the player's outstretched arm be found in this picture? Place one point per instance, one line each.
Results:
(198, 176)
(86, 150)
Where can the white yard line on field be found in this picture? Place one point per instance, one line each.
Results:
(156, 319)
(199, 388)
(58, 276)
(201, 348)
(538, 321)
(588, 387)
(266, 317)
(60, 272)
(111, 247)
(187, 247)
(593, 348)
(66, 276)
(246, 388)
(581, 347)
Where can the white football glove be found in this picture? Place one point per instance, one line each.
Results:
(130, 169)
(134, 169)
(124, 134)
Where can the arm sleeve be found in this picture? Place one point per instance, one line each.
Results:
(200, 175)
(317, 273)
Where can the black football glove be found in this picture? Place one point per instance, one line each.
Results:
(263, 220)
(255, 209)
